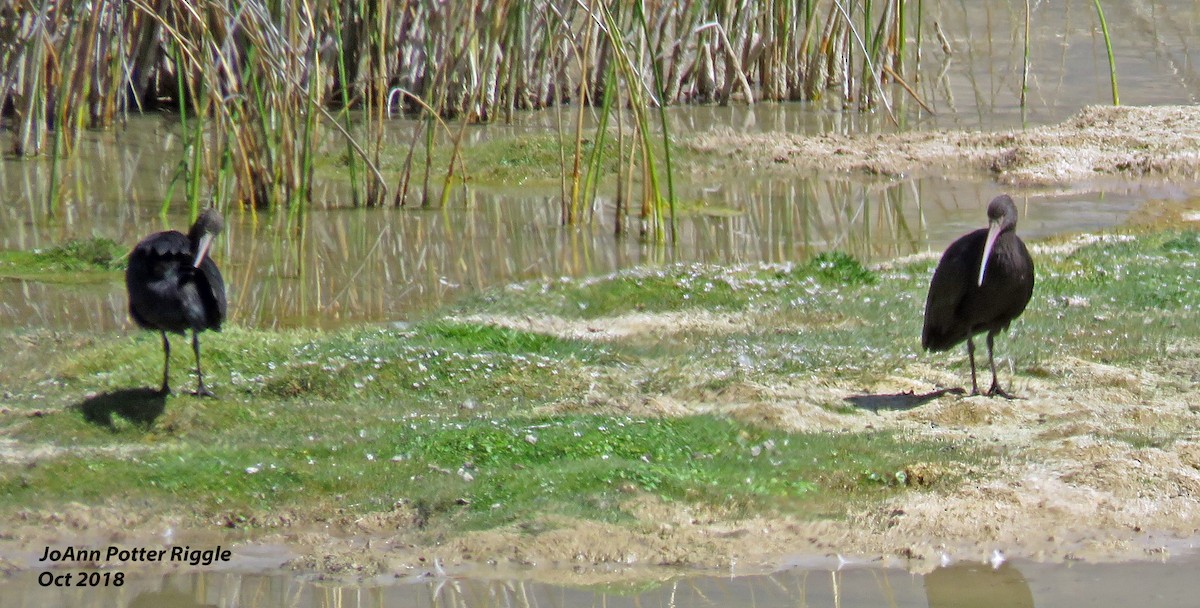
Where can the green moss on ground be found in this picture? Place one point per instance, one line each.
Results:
(76, 261)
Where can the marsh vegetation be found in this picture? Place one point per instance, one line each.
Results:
(258, 82)
(258, 85)
(482, 418)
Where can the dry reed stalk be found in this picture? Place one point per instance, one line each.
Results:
(265, 85)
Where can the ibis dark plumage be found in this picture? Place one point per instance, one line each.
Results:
(983, 281)
(175, 286)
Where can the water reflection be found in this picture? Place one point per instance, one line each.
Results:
(359, 265)
(961, 585)
(975, 585)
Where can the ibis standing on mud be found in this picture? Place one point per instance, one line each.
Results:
(982, 283)
(174, 286)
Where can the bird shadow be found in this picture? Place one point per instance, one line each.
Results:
(141, 406)
(899, 401)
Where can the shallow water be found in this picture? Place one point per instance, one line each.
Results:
(1164, 584)
(389, 264)
(354, 265)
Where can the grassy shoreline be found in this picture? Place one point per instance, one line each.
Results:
(465, 422)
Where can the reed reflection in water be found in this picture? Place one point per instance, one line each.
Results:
(340, 266)
(961, 584)
(352, 265)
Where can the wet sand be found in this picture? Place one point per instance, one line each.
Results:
(1130, 143)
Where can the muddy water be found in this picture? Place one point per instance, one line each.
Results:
(1164, 584)
(388, 264)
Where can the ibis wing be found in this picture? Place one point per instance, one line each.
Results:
(164, 245)
(212, 292)
(166, 292)
(952, 280)
(148, 279)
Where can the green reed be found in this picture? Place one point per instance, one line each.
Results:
(263, 86)
(1025, 62)
(1112, 64)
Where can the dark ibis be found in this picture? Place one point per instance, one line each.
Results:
(982, 283)
(174, 286)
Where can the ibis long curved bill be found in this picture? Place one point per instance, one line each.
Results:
(207, 240)
(994, 230)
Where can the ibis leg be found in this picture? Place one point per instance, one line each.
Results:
(995, 389)
(201, 391)
(971, 356)
(166, 387)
